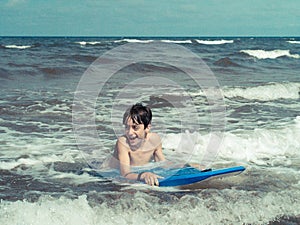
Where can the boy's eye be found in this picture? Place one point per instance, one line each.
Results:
(134, 127)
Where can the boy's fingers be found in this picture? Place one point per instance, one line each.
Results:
(152, 179)
(156, 182)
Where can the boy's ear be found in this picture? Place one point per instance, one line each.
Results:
(148, 128)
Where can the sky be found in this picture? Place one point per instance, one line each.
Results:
(149, 18)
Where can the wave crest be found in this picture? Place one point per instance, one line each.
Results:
(178, 41)
(18, 46)
(133, 41)
(215, 42)
(262, 54)
(245, 145)
(83, 43)
(293, 42)
(271, 91)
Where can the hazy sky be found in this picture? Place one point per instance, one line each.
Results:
(150, 17)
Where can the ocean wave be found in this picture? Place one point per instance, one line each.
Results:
(260, 146)
(83, 58)
(229, 206)
(215, 42)
(4, 73)
(226, 62)
(18, 46)
(294, 42)
(263, 146)
(56, 70)
(84, 43)
(177, 41)
(133, 41)
(262, 54)
(268, 92)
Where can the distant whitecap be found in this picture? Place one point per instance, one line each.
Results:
(177, 41)
(18, 46)
(133, 41)
(83, 43)
(294, 42)
(215, 42)
(262, 54)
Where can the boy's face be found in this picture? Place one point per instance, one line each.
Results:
(135, 133)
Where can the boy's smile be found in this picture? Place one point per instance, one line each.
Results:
(135, 133)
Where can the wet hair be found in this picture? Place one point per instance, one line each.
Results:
(139, 114)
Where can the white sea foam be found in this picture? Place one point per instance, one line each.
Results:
(214, 42)
(273, 54)
(83, 43)
(133, 41)
(262, 146)
(268, 92)
(38, 156)
(219, 207)
(177, 41)
(243, 145)
(294, 42)
(18, 46)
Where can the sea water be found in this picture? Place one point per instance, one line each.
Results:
(44, 171)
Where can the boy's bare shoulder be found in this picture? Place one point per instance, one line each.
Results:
(154, 135)
(122, 138)
(122, 142)
(155, 138)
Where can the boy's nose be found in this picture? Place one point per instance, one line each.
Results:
(130, 130)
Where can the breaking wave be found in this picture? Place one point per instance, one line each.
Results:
(215, 42)
(271, 91)
(262, 54)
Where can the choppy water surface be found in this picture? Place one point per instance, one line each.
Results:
(44, 177)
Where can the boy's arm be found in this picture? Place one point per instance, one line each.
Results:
(158, 154)
(124, 160)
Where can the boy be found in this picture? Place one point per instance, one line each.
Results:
(138, 146)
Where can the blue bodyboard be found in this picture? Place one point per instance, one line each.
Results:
(175, 176)
(190, 175)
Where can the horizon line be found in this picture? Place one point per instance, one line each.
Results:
(146, 36)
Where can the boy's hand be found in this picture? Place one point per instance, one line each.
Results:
(150, 178)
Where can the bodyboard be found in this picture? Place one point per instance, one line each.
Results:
(190, 175)
(175, 176)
